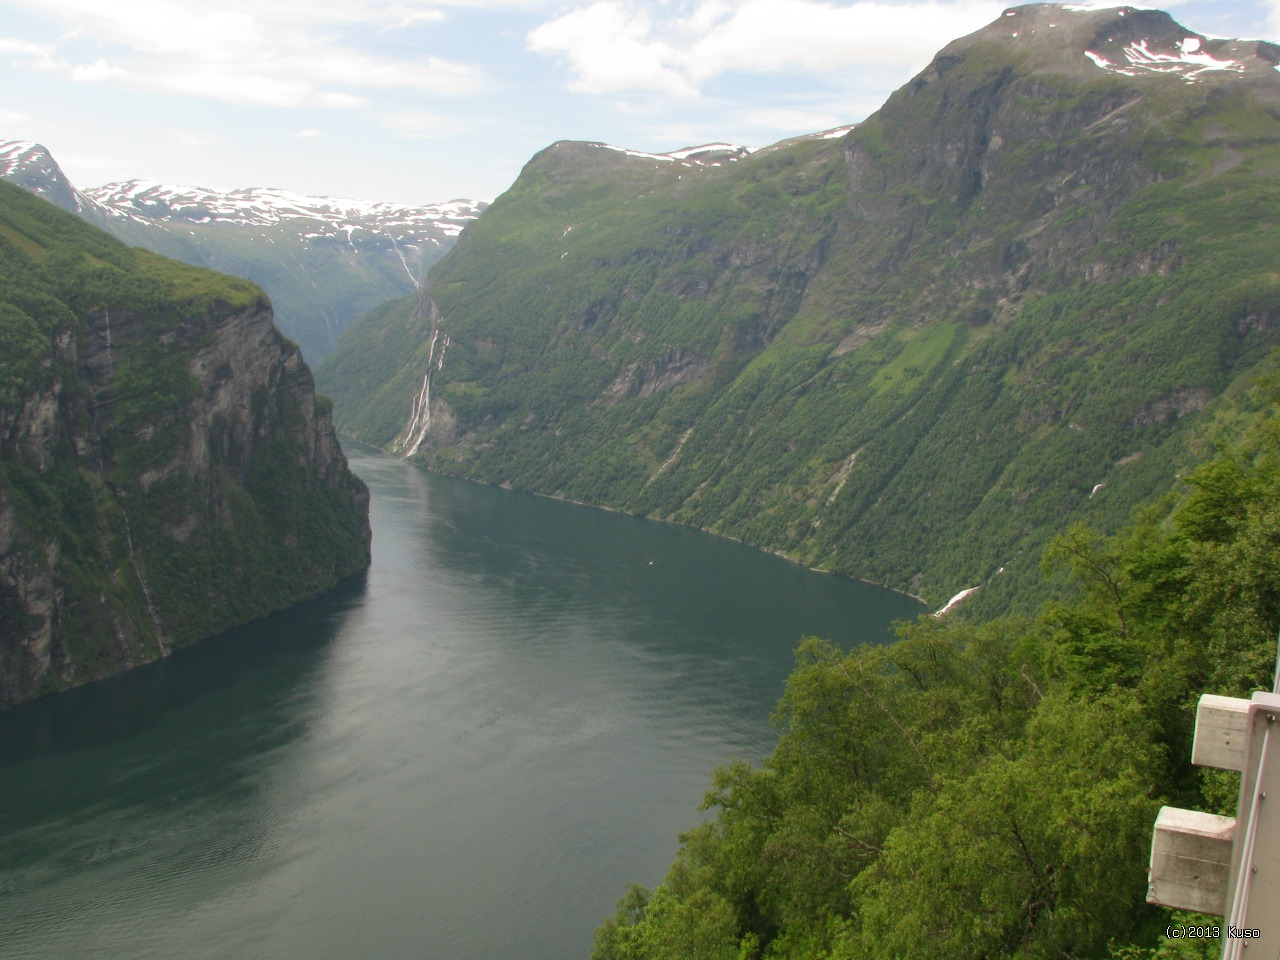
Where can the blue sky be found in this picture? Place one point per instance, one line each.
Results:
(426, 101)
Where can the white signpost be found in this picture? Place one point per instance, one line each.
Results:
(1224, 866)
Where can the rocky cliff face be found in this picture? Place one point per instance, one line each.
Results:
(166, 471)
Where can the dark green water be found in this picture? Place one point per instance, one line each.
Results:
(464, 756)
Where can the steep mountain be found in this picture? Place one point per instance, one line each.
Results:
(1026, 291)
(31, 167)
(166, 469)
(324, 261)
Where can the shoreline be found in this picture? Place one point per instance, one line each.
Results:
(676, 523)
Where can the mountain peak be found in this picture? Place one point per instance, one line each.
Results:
(1128, 41)
(31, 166)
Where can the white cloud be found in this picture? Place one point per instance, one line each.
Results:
(196, 138)
(91, 168)
(418, 125)
(39, 56)
(1273, 18)
(613, 45)
(95, 72)
(258, 88)
(279, 52)
(309, 134)
(808, 118)
(611, 48)
(419, 16)
(14, 45)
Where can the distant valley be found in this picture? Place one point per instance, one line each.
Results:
(324, 261)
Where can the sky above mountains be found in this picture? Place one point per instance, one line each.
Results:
(415, 102)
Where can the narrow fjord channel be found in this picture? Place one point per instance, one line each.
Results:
(464, 756)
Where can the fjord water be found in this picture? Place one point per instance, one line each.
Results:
(465, 755)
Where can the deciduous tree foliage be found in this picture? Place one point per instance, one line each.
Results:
(988, 790)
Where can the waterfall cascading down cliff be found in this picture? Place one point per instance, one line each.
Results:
(416, 432)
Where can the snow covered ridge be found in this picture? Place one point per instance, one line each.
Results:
(706, 155)
(155, 204)
(1134, 42)
(142, 200)
(18, 157)
(718, 154)
(15, 153)
(1187, 60)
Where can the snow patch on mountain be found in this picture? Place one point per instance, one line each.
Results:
(720, 153)
(150, 204)
(957, 600)
(31, 167)
(16, 153)
(265, 206)
(1188, 60)
(705, 155)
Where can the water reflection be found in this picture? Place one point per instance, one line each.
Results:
(259, 653)
(125, 801)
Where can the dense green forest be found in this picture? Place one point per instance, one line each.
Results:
(983, 790)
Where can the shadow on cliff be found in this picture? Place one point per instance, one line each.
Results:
(267, 661)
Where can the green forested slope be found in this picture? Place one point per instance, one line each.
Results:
(1024, 293)
(166, 471)
(981, 792)
(367, 380)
